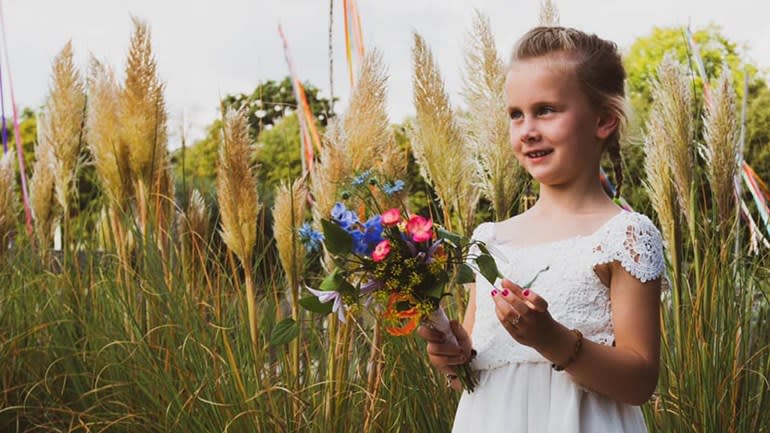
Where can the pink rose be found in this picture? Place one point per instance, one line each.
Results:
(420, 228)
(391, 217)
(381, 251)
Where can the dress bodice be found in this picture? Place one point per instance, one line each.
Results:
(576, 296)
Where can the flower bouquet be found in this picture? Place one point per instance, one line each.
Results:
(396, 262)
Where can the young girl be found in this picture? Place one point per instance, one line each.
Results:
(579, 350)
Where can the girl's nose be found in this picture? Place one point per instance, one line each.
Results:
(529, 133)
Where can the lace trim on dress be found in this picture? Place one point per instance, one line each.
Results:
(638, 248)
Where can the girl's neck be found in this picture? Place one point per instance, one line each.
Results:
(574, 199)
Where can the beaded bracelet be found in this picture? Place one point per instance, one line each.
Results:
(578, 344)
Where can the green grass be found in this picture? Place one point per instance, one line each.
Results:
(87, 350)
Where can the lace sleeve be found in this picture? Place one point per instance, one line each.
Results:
(636, 244)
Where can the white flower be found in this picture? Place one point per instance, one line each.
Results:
(325, 296)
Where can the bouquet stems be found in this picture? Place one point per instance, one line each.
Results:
(439, 321)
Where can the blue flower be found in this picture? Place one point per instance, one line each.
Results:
(392, 188)
(311, 238)
(360, 247)
(365, 241)
(373, 232)
(365, 236)
(361, 178)
(343, 217)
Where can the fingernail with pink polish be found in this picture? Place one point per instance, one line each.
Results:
(506, 292)
(494, 292)
(525, 292)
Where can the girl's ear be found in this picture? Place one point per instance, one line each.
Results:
(606, 125)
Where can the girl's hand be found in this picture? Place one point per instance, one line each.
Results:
(442, 354)
(524, 314)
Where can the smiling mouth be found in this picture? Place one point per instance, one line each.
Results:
(539, 153)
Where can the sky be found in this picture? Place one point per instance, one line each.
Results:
(207, 49)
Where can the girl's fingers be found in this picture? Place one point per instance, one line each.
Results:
(441, 355)
(516, 301)
(430, 335)
(537, 302)
(530, 298)
(508, 312)
(444, 349)
(510, 285)
(443, 361)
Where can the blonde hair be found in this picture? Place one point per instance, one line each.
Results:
(598, 68)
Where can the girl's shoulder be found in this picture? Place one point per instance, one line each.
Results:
(633, 240)
(489, 230)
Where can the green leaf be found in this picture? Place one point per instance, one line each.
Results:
(311, 303)
(482, 247)
(488, 268)
(283, 332)
(454, 238)
(464, 274)
(332, 282)
(337, 240)
(436, 291)
(336, 282)
(345, 287)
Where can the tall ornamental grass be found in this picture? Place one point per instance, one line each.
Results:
(716, 336)
(170, 321)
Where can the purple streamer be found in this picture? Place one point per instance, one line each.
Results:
(2, 112)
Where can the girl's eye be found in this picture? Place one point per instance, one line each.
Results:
(516, 114)
(545, 110)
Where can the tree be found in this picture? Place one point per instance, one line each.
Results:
(28, 133)
(267, 106)
(278, 155)
(645, 54)
(641, 62)
(196, 164)
(272, 100)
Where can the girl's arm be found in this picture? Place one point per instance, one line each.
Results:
(627, 372)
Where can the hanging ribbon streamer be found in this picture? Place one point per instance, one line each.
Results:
(701, 66)
(354, 40)
(755, 234)
(16, 130)
(2, 112)
(759, 193)
(610, 189)
(308, 131)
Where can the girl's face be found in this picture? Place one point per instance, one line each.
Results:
(556, 133)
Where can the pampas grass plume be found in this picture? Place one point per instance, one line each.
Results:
(237, 187)
(500, 177)
(720, 149)
(63, 128)
(103, 134)
(43, 202)
(438, 142)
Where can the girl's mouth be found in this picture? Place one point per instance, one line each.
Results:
(538, 154)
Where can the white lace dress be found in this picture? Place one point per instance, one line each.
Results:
(518, 390)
